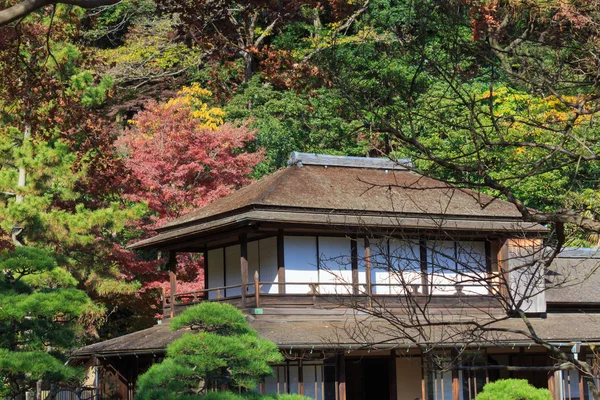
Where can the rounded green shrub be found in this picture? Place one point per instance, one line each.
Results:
(512, 389)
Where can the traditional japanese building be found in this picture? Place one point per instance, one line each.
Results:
(362, 272)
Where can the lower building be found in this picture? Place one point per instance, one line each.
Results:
(377, 283)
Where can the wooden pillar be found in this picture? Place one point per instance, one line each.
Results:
(256, 290)
(172, 280)
(551, 385)
(205, 266)
(354, 259)
(423, 378)
(455, 385)
(341, 375)
(244, 266)
(393, 376)
(424, 274)
(280, 262)
(368, 272)
(581, 384)
(300, 378)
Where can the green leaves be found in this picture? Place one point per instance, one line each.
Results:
(222, 319)
(31, 366)
(513, 389)
(226, 352)
(40, 311)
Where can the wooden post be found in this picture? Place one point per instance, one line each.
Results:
(256, 290)
(172, 280)
(205, 266)
(423, 378)
(300, 378)
(368, 272)
(341, 374)
(551, 386)
(424, 273)
(455, 385)
(173, 287)
(280, 262)
(393, 376)
(244, 266)
(354, 259)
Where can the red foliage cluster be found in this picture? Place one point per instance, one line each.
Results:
(177, 164)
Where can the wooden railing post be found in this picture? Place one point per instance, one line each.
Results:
(256, 290)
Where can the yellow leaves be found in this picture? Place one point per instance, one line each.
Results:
(194, 91)
(194, 99)
(194, 96)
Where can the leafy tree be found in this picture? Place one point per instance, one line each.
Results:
(59, 178)
(182, 156)
(512, 389)
(224, 351)
(42, 317)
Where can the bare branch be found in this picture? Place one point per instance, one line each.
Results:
(26, 7)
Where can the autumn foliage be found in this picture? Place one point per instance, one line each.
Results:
(182, 156)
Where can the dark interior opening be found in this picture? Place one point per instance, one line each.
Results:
(368, 379)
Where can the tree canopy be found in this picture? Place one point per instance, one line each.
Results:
(118, 118)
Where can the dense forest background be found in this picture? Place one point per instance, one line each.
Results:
(117, 119)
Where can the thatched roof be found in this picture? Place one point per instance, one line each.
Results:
(366, 196)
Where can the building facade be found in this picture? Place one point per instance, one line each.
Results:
(377, 283)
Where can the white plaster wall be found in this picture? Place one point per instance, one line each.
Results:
(233, 274)
(441, 261)
(472, 261)
(215, 271)
(300, 255)
(408, 378)
(335, 265)
(268, 264)
(253, 263)
(405, 265)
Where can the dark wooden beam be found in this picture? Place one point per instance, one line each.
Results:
(205, 266)
(244, 266)
(367, 257)
(280, 262)
(423, 259)
(354, 260)
(392, 376)
(172, 280)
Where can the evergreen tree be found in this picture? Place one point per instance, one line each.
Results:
(41, 317)
(223, 351)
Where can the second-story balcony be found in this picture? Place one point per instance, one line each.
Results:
(348, 272)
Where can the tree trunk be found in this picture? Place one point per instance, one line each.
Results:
(21, 182)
